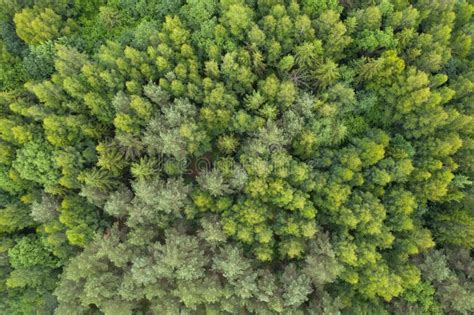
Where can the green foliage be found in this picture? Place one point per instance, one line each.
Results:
(39, 63)
(456, 227)
(14, 217)
(45, 210)
(29, 252)
(236, 157)
(36, 26)
(80, 219)
(35, 162)
(11, 72)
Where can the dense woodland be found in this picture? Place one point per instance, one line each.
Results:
(236, 157)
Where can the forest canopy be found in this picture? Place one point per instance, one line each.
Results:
(236, 157)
